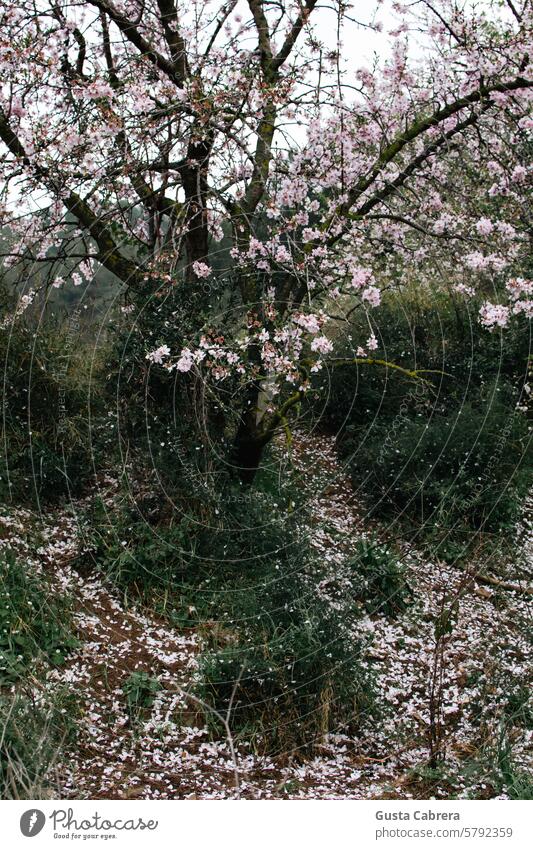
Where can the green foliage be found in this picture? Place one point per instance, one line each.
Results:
(175, 423)
(137, 555)
(33, 733)
(446, 460)
(33, 620)
(47, 451)
(274, 649)
(379, 579)
(140, 690)
(423, 329)
(146, 546)
(517, 783)
(497, 766)
(288, 683)
(282, 661)
(519, 707)
(470, 466)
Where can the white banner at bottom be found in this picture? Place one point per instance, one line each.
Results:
(257, 824)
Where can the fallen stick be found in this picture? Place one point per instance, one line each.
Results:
(504, 585)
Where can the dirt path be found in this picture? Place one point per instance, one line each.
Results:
(169, 753)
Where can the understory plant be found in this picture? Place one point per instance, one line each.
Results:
(378, 578)
(449, 456)
(37, 728)
(34, 620)
(47, 434)
(277, 657)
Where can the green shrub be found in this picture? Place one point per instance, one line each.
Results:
(134, 555)
(276, 650)
(466, 468)
(421, 329)
(448, 459)
(170, 423)
(34, 621)
(34, 733)
(282, 660)
(378, 578)
(140, 690)
(47, 451)
(287, 684)
(144, 545)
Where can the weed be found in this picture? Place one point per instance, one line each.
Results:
(34, 733)
(379, 579)
(139, 690)
(33, 620)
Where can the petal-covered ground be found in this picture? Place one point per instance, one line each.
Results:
(463, 687)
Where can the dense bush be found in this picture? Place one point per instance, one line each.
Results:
(450, 458)
(35, 626)
(276, 652)
(282, 660)
(47, 449)
(422, 330)
(176, 425)
(135, 553)
(33, 731)
(468, 467)
(291, 671)
(33, 620)
(378, 578)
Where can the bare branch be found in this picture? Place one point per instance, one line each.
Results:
(130, 31)
(169, 19)
(292, 37)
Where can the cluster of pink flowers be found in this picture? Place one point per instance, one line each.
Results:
(322, 345)
(494, 315)
(201, 269)
(159, 355)
(521, 302)
(484, 226)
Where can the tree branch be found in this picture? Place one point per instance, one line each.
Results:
(418, 128)
(130, 31)
(108, 251)
(263, 34)
(292, 37)
(169, 19)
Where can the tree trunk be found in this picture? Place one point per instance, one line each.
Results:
(194, 179)
(248, 450)
(250, 440)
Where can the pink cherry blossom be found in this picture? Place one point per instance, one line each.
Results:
(484, 226)
(322, 345)
(494, 315)
(159, 354)
(201, 269)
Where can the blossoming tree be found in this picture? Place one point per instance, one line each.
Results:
(138, 134)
